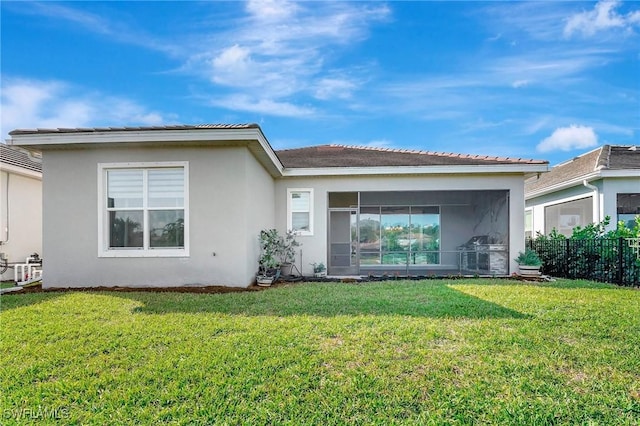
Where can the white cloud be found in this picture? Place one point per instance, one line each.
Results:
(52, 104)
(271, 10)
(603, 17)
(569, 138)
(334, 88)
(233, 66)
(283, 50)
(114, 29)
(241, 102)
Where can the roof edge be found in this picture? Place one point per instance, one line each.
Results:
(250, 134)
(430, 153)
(57, 130)
(419, 170)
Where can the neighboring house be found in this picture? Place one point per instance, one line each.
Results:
(184, 205)
(20, 207)
(603, 182)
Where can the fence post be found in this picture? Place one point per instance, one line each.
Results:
(619, 275)
(567, 257)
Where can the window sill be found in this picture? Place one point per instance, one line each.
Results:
(143, 253)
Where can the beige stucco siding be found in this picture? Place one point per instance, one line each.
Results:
(222, 188)
(258, 211)
(314, 247)
(20, 217)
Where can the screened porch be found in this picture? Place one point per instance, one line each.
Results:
(418, 233)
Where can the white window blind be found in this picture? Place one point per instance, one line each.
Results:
(145, 209)
(125, 188)
(300, 211)
(166, 188)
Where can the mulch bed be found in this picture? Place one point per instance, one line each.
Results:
(205, 289)
(212, 289)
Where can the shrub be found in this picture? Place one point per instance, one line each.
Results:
(528, 258)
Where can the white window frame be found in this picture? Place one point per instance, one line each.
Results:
(103, 220)
(290, 211)
(533, 227)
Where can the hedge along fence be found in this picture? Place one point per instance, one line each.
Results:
(610, 260)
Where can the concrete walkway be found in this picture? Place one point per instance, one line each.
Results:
(10, 289)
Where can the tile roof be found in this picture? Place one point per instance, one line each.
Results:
(18, 157)
(358, 156)
(133, 129)
(607, 157)
(322, 155)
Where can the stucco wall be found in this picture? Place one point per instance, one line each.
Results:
(258, 212)
(221, 189)
(20, 218)
(314, 247)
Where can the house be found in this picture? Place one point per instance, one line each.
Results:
(586, 189)
(184, 205)
(20, 207)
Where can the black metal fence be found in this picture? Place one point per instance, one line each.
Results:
(610, 260)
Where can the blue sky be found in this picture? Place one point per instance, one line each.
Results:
(545, 80)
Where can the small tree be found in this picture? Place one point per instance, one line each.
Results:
(276, 249)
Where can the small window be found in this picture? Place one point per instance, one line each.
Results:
(300, 211)
(143, 210)
(528, 223)
(628, 208)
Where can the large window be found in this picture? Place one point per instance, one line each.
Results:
(144, 209)
(564, 217)
(628, 207)
(400, 235)
(300, 211)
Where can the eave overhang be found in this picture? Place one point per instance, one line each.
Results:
(578, 181)
(10, 168)
(252, 138)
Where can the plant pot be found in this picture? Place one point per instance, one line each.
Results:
(320, 274)
(529, 271)
(286, 269)
(264, 281)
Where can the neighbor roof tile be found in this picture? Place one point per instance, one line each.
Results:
(18, 157)
(607, 157)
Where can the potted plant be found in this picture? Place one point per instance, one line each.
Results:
(275, 250)
(287, 252)
(269, 265)
(529, 263)
(319, 270)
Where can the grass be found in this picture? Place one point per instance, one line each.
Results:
(431, 352)
(7, 284)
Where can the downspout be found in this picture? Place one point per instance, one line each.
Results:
(6, 207)
(596, 198)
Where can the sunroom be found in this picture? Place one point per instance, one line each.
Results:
(418, 232)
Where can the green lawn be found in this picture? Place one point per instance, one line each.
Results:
(7, 284)
(405, 352)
